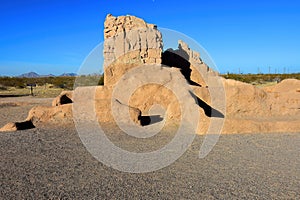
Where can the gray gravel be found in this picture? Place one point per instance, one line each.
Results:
(52, 163)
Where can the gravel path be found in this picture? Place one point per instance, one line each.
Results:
(52, 163)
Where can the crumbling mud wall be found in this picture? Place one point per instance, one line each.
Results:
(129, 42)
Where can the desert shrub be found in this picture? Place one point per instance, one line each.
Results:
(89, 80)
(3, 87)
(260, 78)
(62, 82)
(20, 86)
(66, 82)
(62, 86)
(101, 80)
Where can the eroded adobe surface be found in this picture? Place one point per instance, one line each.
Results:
(129, 41)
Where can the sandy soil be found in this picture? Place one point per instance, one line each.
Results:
(52, 163)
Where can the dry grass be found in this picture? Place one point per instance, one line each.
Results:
(266, 84)
(46, 91)
(47, 87)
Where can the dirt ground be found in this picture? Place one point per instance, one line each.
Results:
(51, 163)
(15, 109)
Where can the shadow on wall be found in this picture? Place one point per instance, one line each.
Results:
(180, 59)
(64, 99)
(14, 95)
(208, 110)
(152, 119)
(24, 125)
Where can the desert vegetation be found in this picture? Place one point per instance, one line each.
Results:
(52, 86)
(67, 83)
(58, 82)
(45, 86)
(257, 79)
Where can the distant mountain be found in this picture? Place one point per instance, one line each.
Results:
(68, 74)
(29, 75)
(48, 75)
(36, 75)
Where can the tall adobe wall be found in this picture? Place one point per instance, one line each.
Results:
(129, 42)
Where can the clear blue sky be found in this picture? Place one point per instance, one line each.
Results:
(54, 36)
